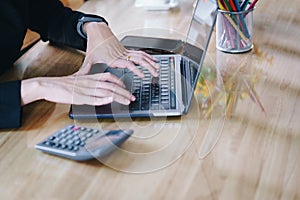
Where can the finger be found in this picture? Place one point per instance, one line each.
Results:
(89, 81)
(148, 60)
(99, 96)
(146, 64)
(121, 63)
(153, 63)
(115, 89)
(107, 76)
(132, 67)
(104, 90)
(103, 101)
(144, 54)
(114, 96)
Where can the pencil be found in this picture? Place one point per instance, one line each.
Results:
(227, 5)
(223, 4)
(234, 24)
(232, 4)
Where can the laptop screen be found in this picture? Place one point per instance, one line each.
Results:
(196, 44)
(202, 22)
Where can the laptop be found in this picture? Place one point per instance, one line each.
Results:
(180, 62)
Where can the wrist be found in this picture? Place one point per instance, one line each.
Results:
(86, 19)
(30, 90)
(90, 26)
(98, 32)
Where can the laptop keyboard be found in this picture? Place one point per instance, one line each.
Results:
(155, 93)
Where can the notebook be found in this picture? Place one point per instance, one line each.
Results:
(180, 61)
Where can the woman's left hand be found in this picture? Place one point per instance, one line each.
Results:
(104, 47)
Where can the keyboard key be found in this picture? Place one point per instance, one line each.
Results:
(154, 92)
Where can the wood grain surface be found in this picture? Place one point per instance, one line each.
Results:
(244, 149)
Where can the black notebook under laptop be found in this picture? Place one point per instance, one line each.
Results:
(170, 93)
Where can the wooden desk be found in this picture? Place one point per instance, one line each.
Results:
(242, 154)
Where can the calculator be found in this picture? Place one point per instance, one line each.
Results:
(83, 143)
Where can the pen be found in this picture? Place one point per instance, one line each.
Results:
(232, 5)
(227, 5)
(244, 5)
(223, 4)
(237, 5)
(252, 4)
(241, 18)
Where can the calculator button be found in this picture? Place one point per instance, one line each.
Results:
(64, 131)
(57, 145)
(75, 148)
(89, 130)
(89, 135)
(77, 142)
(52, 138)
(70, 147)
(82, 144)
(76, 128)
(63, 135)
(64, 140)
(83, 138)
(76, 137)
(69, 137)
(69, 142)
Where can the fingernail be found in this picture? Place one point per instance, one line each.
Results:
(133, 98)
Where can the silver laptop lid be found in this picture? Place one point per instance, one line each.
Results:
(202, 23)
(196, 44)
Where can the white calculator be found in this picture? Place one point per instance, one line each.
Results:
(83, 143)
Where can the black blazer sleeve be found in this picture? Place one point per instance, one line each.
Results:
(56, 23)
(10, 104)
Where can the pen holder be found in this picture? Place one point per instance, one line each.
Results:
(234, 31)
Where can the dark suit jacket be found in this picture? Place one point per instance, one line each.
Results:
(54, 23)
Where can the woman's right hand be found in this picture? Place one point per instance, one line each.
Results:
(96, 89)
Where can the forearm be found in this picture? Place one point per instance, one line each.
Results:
(56, 23)
(54, 89)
